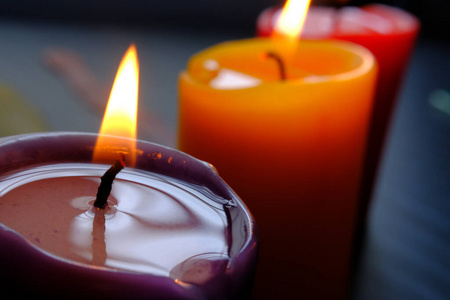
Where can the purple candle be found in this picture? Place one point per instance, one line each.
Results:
(172, 229)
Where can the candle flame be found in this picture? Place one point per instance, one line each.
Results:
(292, 18)
(121, 114)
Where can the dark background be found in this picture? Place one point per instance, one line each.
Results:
(217, 14)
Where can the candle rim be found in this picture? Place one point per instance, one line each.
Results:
(267, 20)
(197, 171)
(368, 62)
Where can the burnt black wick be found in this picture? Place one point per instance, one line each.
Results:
(107, 179)
(279, 62)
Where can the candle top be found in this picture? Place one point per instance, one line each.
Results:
(153, 223)
(222, 65)
(171, 218)
(322, 21)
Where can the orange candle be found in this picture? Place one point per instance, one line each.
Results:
(292, 150)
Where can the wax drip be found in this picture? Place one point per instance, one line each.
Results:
(229, 229)
(106, 182)
(280, 63)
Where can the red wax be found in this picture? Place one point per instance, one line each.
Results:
(389, 33)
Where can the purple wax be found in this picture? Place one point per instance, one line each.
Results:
(173, 229)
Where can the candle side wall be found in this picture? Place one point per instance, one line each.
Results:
(293, 152)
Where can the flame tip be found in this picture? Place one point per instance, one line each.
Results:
(292, 18)
(132, 48)
(121, 112)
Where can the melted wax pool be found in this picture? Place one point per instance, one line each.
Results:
(154, 224)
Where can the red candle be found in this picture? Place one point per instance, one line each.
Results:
(389, 33)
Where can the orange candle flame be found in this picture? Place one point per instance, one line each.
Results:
(121, 114)
(291, 20)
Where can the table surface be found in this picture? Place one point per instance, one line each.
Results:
(407, 246)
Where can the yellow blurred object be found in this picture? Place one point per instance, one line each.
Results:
(16, 115)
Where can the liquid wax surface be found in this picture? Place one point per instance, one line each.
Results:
(153, 223)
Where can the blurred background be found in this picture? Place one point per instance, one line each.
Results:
(58, 60)
(49, 46)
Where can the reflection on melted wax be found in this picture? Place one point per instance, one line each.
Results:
(151, 223)
(151, 226)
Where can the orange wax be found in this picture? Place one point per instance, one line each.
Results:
(292, 150)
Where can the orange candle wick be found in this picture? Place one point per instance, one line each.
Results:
(279, 61)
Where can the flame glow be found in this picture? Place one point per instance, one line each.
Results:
(121, 114)
(291, 19)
